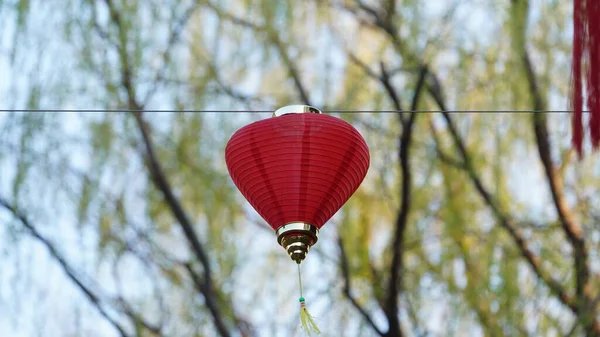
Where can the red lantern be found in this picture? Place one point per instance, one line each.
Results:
(586, 71)
(297, 170)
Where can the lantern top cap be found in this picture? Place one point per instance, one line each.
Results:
(295, 109)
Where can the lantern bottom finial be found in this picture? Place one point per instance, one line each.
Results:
(297, 238)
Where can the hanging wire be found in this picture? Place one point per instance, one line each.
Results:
(300, 281)
(271, 111)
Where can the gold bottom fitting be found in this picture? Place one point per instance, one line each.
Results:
(297, 238)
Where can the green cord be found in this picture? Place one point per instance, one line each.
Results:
(306, 320)
(300, 283)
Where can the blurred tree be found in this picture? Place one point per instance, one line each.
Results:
(467, 224)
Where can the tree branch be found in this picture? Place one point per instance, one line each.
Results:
(363, 66)
(570, 226)
(348, 293)
(412, 313)
(395, 282)
(234, 19)
(423, 71)
(389, 88)
(126, 75)
(381, 20)
(66, 267)
(166, 55)
(293, 71)
(384, 21)
(205, 287)
(505, 221)
(160, 181)
(394, 286)
(279, 45)
(384, 79)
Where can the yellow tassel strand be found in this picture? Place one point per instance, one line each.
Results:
(308, 322)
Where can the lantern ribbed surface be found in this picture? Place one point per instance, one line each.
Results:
(297, 167)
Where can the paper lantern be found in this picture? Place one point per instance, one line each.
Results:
(297, 170)
(586, 71)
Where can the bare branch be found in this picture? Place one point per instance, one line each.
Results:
(233, 19)
(204, 286)
(395, 282)
(277, 42)
(505, 221)
(64, 264)
(159, 179)
(135, 317)
(166, 55)
(570, 225)
(368, 9)
(363, 66)
(126, 75)
(444, 157)
(356, 12)
(387, 84)
(230, 91)
(412, 313)
(348, 293)
(384, 79)
(291, 66)
(414, 105)
(448, 160)
(382, 20)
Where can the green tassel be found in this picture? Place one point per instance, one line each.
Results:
(308, 322)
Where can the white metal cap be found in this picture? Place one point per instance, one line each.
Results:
(295, 109)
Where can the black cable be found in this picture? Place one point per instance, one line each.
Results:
(271, 111)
